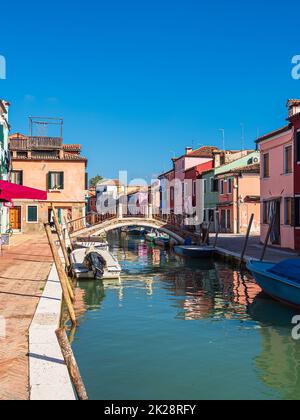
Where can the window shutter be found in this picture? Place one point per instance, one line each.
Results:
(1, 134)
(62, 180)
(49, 181)
(21, 177)
(298, 146)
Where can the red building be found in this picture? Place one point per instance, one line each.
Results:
(294, 118)
(194, 174)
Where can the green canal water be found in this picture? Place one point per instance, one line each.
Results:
(182, 330)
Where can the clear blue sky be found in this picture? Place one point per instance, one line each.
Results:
(137, 81)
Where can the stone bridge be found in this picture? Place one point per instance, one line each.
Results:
(97, 225)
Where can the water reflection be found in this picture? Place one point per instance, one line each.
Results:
(278, 365)
(158, 286)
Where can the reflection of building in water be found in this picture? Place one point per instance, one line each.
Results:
(156, 256)
(89, 297)
(278, 365)
(237, 288)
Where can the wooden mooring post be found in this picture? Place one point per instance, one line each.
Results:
(60, 236)
(272, 222)
(64, 281)
(247, 237)
(71, 364)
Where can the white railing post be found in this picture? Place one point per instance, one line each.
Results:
(150, 211)
(120, 211)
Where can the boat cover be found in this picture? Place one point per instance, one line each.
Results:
(289, 269)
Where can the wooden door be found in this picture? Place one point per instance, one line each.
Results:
(15, 218)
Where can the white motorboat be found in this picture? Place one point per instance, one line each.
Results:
(94, 263)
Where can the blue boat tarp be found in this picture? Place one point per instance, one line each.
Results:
(289, 269)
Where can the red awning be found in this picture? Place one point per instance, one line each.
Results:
(10, 192)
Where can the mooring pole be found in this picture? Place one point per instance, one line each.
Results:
(247, 237)
(268, 237)
(60, 236)
(71, 364)
(64, 281)
(217, 234)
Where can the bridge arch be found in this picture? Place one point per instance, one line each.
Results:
(118, 223)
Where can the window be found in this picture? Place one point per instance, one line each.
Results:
(288, 160)
(216, 185)
(205, 186)
(194, 188)
(288, 212)
(56, 181)
(17, 177)
(298, 145)
(172, 191)
(32, 214)
(266, 166)
(228, 219)
(297, 211)
(265, 213)
(230, 186)
(212, 184)
(222, 187)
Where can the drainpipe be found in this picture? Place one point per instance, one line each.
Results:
(237, 205)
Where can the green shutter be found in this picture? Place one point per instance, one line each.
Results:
(62, 180)
(2, 134)
(32, 214)
(49, 181)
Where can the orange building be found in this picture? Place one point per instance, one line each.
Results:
(239, 197)
(47, 164)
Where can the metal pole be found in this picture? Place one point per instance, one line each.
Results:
(247, 237)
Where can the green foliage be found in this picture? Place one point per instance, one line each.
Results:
(94, 181)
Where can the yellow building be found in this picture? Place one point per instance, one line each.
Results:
(45, 163)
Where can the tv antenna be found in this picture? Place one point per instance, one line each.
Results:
(40, 126)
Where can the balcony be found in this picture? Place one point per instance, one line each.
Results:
(36, 143)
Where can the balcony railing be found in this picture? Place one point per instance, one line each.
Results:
(36, 143)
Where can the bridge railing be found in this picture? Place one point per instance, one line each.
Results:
(87, 221)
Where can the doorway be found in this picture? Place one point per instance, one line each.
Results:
(15, 218)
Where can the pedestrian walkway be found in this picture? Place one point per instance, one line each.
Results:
(24, 268)
(233, 245)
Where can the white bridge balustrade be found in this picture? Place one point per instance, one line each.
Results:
(94, 224)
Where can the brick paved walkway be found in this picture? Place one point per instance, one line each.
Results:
(24, 267)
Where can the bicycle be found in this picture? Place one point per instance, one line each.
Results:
(10, 231)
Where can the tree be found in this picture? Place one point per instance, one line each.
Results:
(94, 181)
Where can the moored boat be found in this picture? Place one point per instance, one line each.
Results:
(194, 251)
(94, 263)
(136, 231)
(92, 241)
(150, 237)
(162, 240)
(281, 281)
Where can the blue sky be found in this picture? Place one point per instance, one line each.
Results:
(137, 81)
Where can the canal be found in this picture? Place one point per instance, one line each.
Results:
(182, 330)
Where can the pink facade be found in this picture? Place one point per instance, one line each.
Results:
(239, 192)
(277, 185)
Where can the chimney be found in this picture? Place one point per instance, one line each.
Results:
(217, 158)
(293, 107)
(188, 150)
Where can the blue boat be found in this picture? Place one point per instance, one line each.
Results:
(194, 251)
(281, 281)
(136, 231)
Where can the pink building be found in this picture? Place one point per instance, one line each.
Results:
(277, 186)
